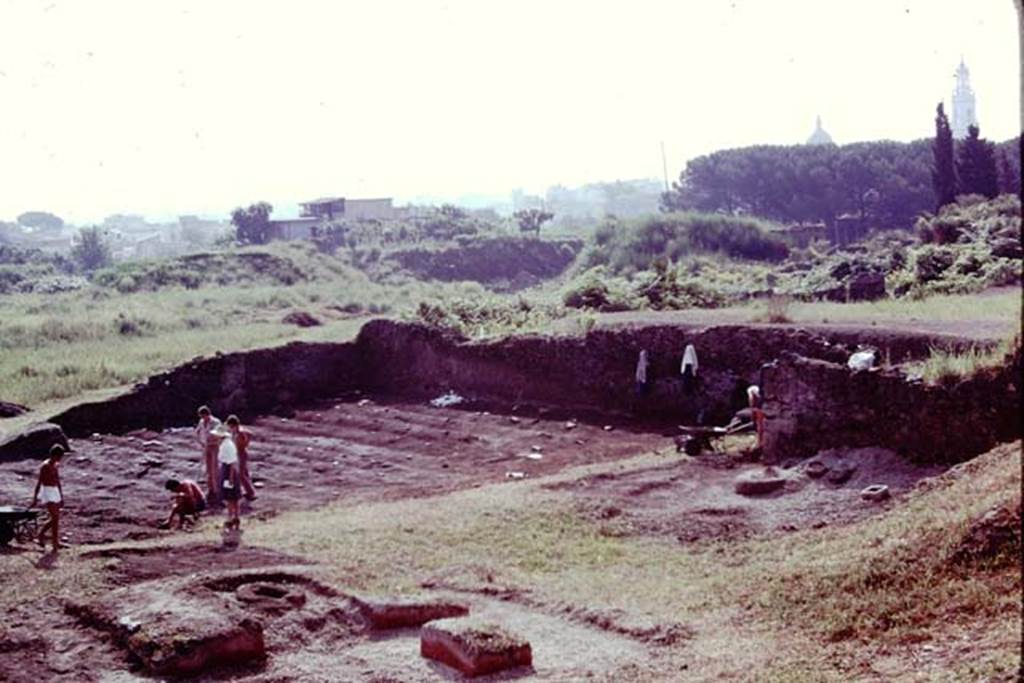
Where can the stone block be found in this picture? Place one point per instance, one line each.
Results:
(474, 647)
(758, 483)
(875, 493)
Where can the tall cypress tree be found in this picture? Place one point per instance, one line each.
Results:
(943, 170)
(976, 165)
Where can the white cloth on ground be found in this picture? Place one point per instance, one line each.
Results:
(641, 367)
(862, 360)
(689, 358)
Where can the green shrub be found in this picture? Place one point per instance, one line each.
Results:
(931, 262)
(631, 246)
(485, 316)
(132, 326)
(598, 290)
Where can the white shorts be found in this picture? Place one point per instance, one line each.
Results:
(49, 494)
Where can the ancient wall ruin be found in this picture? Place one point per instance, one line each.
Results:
(814, 405)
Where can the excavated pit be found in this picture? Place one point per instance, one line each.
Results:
(354, 420)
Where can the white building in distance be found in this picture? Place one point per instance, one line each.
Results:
(964, 114)
(819, 136)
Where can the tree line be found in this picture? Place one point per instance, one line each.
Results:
(974, 166)
(888, 184)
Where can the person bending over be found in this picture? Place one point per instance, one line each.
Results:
(188, 501)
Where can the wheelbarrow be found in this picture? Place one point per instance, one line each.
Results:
(694, 440)
(17, 523)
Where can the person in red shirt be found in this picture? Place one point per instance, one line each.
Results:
(189, 501)
(51, 494)
(242, 439)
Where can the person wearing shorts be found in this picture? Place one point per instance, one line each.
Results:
(230, 478)
(189, 501)
(242, 438)
(50, 493)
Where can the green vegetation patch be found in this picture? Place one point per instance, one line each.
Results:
(634, 245)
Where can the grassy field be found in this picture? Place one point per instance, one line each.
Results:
(1001, 305)
(55, 346)
(139, 318)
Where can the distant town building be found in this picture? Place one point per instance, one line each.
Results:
(293, 228)
(326, 209)
(356, 209)
(819, 136)
(964, 114)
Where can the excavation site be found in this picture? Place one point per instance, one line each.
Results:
(539, 449)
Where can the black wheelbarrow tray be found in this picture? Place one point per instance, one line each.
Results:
(17, 523)
(696, 439)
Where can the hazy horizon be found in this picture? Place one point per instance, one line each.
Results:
(191, 107)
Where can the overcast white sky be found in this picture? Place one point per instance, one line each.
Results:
(188, 106)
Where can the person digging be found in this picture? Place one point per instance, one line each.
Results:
(188, 502)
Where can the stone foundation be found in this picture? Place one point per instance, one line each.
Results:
(475, 648)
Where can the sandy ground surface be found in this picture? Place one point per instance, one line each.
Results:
(358, 448)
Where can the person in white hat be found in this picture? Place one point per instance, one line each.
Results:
(230, 479)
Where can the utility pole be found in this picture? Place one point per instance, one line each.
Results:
(664, 165)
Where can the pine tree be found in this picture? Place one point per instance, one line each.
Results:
(943, 171)
(976, 165)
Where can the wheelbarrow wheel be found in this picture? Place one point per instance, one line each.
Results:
(26, 531)
(6, 534)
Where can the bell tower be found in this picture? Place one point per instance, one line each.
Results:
(963, 103)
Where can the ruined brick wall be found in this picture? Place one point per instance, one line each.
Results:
(814, 405)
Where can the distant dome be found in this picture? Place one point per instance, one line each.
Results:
(819, 136)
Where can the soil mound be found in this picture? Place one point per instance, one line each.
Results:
(33, 442)
(11, 409)
(301, 319)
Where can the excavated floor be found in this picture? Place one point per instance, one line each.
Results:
(342, 449)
